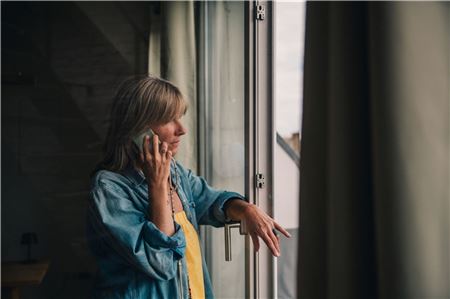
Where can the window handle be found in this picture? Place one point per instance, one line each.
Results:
(228, 227)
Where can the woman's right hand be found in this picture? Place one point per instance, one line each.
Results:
(156, 167)
(155, 162)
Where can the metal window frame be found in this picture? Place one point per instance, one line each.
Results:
(260, 140)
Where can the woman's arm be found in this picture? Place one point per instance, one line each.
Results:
(116, 222)
(156, 168)
(258, 224)
(208, 202)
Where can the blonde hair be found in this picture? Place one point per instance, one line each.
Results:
(140, 102)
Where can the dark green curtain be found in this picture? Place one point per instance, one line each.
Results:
(374, 196)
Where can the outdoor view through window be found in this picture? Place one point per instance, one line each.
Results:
(289, 49)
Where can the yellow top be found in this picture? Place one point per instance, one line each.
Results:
(193, 256)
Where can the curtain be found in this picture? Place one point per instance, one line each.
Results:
(374, 199)
(221, 116)
(172, 56)
(200, 47)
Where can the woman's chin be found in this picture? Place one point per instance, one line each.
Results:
(174, 150)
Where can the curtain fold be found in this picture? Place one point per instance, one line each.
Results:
(222, 117)
(172, 55)
(200, 47)
(374, 215)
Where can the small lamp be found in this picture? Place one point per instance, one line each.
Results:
(29, 239)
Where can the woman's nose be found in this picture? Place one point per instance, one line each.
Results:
(181, 130)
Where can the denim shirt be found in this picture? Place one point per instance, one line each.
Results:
(135, 259)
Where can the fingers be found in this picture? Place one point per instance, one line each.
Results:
(158, 152)
(164, 148)
(255, 241)
(156, 146)
(163, 151)
(265, 228)
(145, 146)
(281, 229)
(271, 241)
(276, 241)
(270, 244)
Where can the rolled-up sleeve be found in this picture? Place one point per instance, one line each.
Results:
(209, 202)
(117, 221)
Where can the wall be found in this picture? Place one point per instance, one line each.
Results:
(60, 65)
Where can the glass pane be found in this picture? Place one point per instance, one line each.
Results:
(223, 106)
(289, 47)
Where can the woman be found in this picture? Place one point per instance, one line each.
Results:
(145, 207)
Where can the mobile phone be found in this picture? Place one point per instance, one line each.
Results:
(139, 140)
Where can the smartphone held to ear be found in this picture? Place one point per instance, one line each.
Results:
(139, 140)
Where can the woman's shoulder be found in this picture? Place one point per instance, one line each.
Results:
(108, 178)
(183, 170)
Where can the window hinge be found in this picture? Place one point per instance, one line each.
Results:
(260, 181)
(260, 12)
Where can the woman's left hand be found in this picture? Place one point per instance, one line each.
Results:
(258, 224)
(261, 225)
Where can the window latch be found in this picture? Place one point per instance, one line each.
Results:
(260, 181)
(260, 12)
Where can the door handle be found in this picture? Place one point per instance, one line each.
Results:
(227, 229)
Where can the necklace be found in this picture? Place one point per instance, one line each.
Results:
(172, 188)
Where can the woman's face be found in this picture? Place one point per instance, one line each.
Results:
(171, 133)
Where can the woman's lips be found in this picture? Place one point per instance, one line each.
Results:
(175, 144)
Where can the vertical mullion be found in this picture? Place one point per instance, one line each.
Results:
(273, 134)
(250, 256)
(204, 133)
(264, 140)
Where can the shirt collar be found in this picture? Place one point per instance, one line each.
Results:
(138, 178)
(135, 176)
